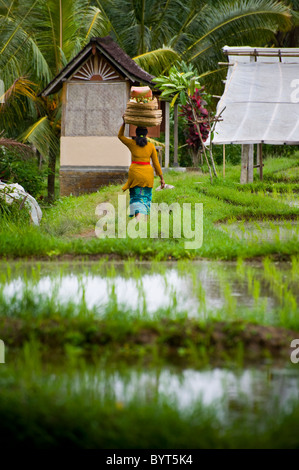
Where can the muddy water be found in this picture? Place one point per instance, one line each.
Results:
(193, 287)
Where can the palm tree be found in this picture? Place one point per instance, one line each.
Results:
(17, 91)
(38, 37)
(158, 32)
(57, 30)
(290, 38)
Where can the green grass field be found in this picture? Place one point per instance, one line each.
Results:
(68, 227)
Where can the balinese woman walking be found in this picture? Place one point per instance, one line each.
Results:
(141, 174)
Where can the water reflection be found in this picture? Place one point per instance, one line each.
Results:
(198, 288)
(223, 388)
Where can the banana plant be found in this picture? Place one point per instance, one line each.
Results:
(177, 85)
(180, 87)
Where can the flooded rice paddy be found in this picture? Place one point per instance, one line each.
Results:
(198, 289)
(262, 231)
(195, 288)
(219, 387)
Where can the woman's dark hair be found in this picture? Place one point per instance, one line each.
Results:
(141, 133)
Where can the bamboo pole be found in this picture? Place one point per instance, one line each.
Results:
(166, 134)
(223, 160)
(210, 148)
(204, 152)
(176, 135)
(262, 54)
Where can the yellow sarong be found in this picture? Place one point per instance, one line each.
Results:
(140, 175)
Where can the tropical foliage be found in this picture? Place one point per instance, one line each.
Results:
(39, 37)
(158, 32)
(21, 168)
(185, 88)
(179, 82)
(195, 108)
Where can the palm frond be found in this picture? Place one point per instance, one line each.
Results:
(40, 63)
(232, 17)
(20, 87)
(97, 23)
(23, 150)
(158, 61)
(41, 135)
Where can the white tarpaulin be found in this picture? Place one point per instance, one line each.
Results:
(261, 102)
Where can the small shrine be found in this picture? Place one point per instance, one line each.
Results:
(95, 87)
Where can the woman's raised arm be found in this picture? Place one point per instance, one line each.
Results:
(125, 140)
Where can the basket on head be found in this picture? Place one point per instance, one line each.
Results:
(142, 109)
(139, 121)
(141, 92)
(153, 104)
(144, 113)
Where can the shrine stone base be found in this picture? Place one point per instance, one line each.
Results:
(82, 180)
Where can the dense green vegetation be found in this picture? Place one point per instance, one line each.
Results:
(81, 376)
(40, 37)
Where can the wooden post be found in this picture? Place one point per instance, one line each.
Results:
(166, 134)
(223, 160)
(260, 153)
(248, 148)
(250, 164)
(176, 135)
(244, 163)
(96, 63)
(159, 153)
(247, 164)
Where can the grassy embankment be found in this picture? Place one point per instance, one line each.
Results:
(67, 228)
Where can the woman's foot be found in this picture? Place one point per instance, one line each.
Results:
(140, 217)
